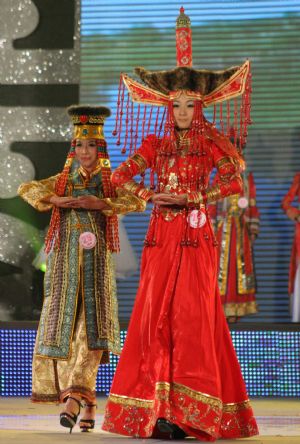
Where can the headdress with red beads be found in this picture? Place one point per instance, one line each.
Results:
(145, 107)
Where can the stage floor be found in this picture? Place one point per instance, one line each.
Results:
(26, 423)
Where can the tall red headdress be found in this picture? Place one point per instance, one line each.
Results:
(142, 108)
(184, 53)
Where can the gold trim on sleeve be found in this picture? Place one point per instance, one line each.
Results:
(140, 161)
(213, 194)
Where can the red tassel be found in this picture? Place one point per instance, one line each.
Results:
(162, 123)
(156, 120)
(149, 120)
(235, 121)
(143, 122)
(228, 118)
(221, 118)
(126, 126)
(121, 115)
(152, 184)
(215, 113)
(241, 139)
(112, 233)
(121, 86)
(52, 236)
(131, 127)
(137, 128)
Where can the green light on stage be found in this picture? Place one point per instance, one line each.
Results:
(40, 260)
(43, 267)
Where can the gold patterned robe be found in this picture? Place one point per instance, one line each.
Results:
(79, 320)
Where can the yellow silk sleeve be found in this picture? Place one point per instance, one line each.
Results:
(37, 192)
(123, 203)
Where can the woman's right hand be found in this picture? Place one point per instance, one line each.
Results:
(161, 198)
(62, 201)
(169, 199)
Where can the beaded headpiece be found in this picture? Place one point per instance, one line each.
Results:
(144, 101)
(88, 123)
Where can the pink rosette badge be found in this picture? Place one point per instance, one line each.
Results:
(243, 202)
(197, 219)
(87, 240)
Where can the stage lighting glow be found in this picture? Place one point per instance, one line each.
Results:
(43, 267)
(270, 362)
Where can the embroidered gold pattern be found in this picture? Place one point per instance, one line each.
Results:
(160, 387)
(172, 182)
(197, 410)
(140, 161)
(213, 194)
(125, 400)
(240, 309)
(224, 259)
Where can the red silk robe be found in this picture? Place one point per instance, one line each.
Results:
(293, 213)
(178, 360)
(236, 218)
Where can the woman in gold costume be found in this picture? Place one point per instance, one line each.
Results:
(79, 321)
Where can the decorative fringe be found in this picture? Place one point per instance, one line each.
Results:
(112, 225)
(138, 119)
(52, 236)
(135, 121)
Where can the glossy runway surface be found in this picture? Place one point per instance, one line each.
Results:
(26, 423)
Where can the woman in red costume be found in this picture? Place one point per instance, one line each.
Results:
(236, 222)
(294, 276)
(178, 374)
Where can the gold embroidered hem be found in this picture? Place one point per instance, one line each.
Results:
(54, 380)
(240, 309)
(198, 414)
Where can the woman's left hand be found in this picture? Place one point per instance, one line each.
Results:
(88, 203)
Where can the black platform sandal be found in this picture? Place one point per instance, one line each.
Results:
(70, 419)
(165, 426)
(86, 425)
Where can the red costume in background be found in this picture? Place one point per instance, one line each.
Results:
(294, 275)
(236, 219)
(178, 362)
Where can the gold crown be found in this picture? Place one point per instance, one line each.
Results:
(88, 131)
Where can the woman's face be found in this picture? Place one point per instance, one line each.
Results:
(86, 152)
(183, 108)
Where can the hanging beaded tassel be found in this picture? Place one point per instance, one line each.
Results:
(52, 236)
(247, 106)
(235, 126)
(112, 230)
(135, 121)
